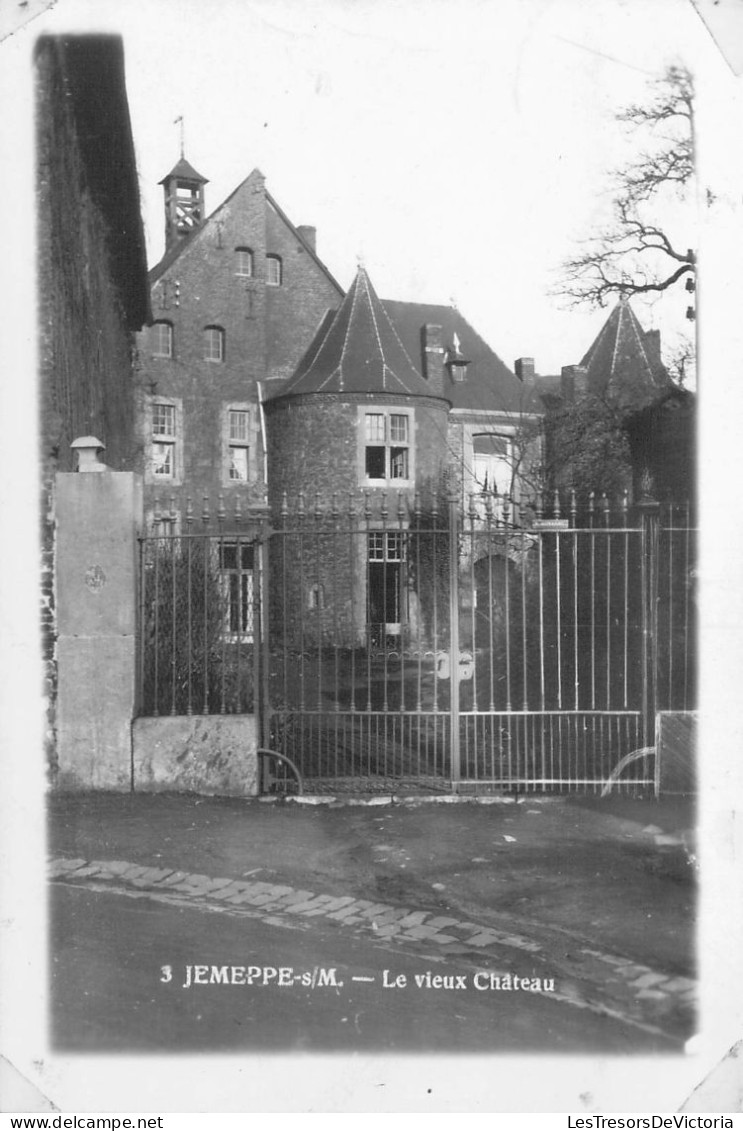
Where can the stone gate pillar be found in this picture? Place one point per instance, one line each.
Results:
(98, 518)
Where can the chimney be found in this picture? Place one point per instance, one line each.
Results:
(524, 369)
(308, 234)
(432, 340)
(573, 383)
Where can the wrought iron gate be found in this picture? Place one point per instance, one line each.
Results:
(399, 645)
(523, 650)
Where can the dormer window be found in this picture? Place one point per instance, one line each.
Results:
(274, 271)
(244, 262)
(456, 362)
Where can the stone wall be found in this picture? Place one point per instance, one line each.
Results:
(215, 755)
(91, 277)
(98, 517)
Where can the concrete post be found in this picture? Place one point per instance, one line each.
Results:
(98, 518)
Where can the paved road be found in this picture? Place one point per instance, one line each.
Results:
(109, 947)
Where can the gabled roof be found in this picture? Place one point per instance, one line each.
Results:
(624, 361)
(489, 384)
(360, 352)
(184, 171)
(178, 248)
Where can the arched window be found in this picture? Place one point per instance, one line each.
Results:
(161, 339)
(213, 343)
(274, 271)
(244, 262)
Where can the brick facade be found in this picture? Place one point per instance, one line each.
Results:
(314, 446)
(266, 328)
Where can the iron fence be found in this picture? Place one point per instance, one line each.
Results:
(199, 622)
(401, 642)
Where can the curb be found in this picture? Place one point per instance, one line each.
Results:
(405, 800)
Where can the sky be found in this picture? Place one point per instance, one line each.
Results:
(458, 149)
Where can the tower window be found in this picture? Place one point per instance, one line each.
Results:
(316, 597)
(274, 271)
(214, 343)
(161, 339)
(387, 445)
(244, 262)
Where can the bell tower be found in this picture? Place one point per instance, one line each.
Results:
(183, 190)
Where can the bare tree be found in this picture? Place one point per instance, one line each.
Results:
(635, 253)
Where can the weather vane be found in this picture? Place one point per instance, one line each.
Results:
(176, 121)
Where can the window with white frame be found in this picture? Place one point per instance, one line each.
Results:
(238, 444)
(386, 546)
(274, 271)
(161, 339)
(492, 463)
(244, 262)
(163, 440)
(386, 445)
(236, 563)
(213, 343)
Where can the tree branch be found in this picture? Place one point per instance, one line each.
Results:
(635, 255)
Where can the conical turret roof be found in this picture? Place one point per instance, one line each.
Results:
(361, 352)
(623, 363)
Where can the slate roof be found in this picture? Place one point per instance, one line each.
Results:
(489, 383)
(359, 352)
(624, 363)
(184, 171)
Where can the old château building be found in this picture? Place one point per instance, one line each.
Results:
(617, 422)
(236, 299)
(361, 424)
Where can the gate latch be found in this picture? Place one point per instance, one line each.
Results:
(466, 665)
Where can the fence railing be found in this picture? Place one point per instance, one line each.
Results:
(199, 620)
(397, 640)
